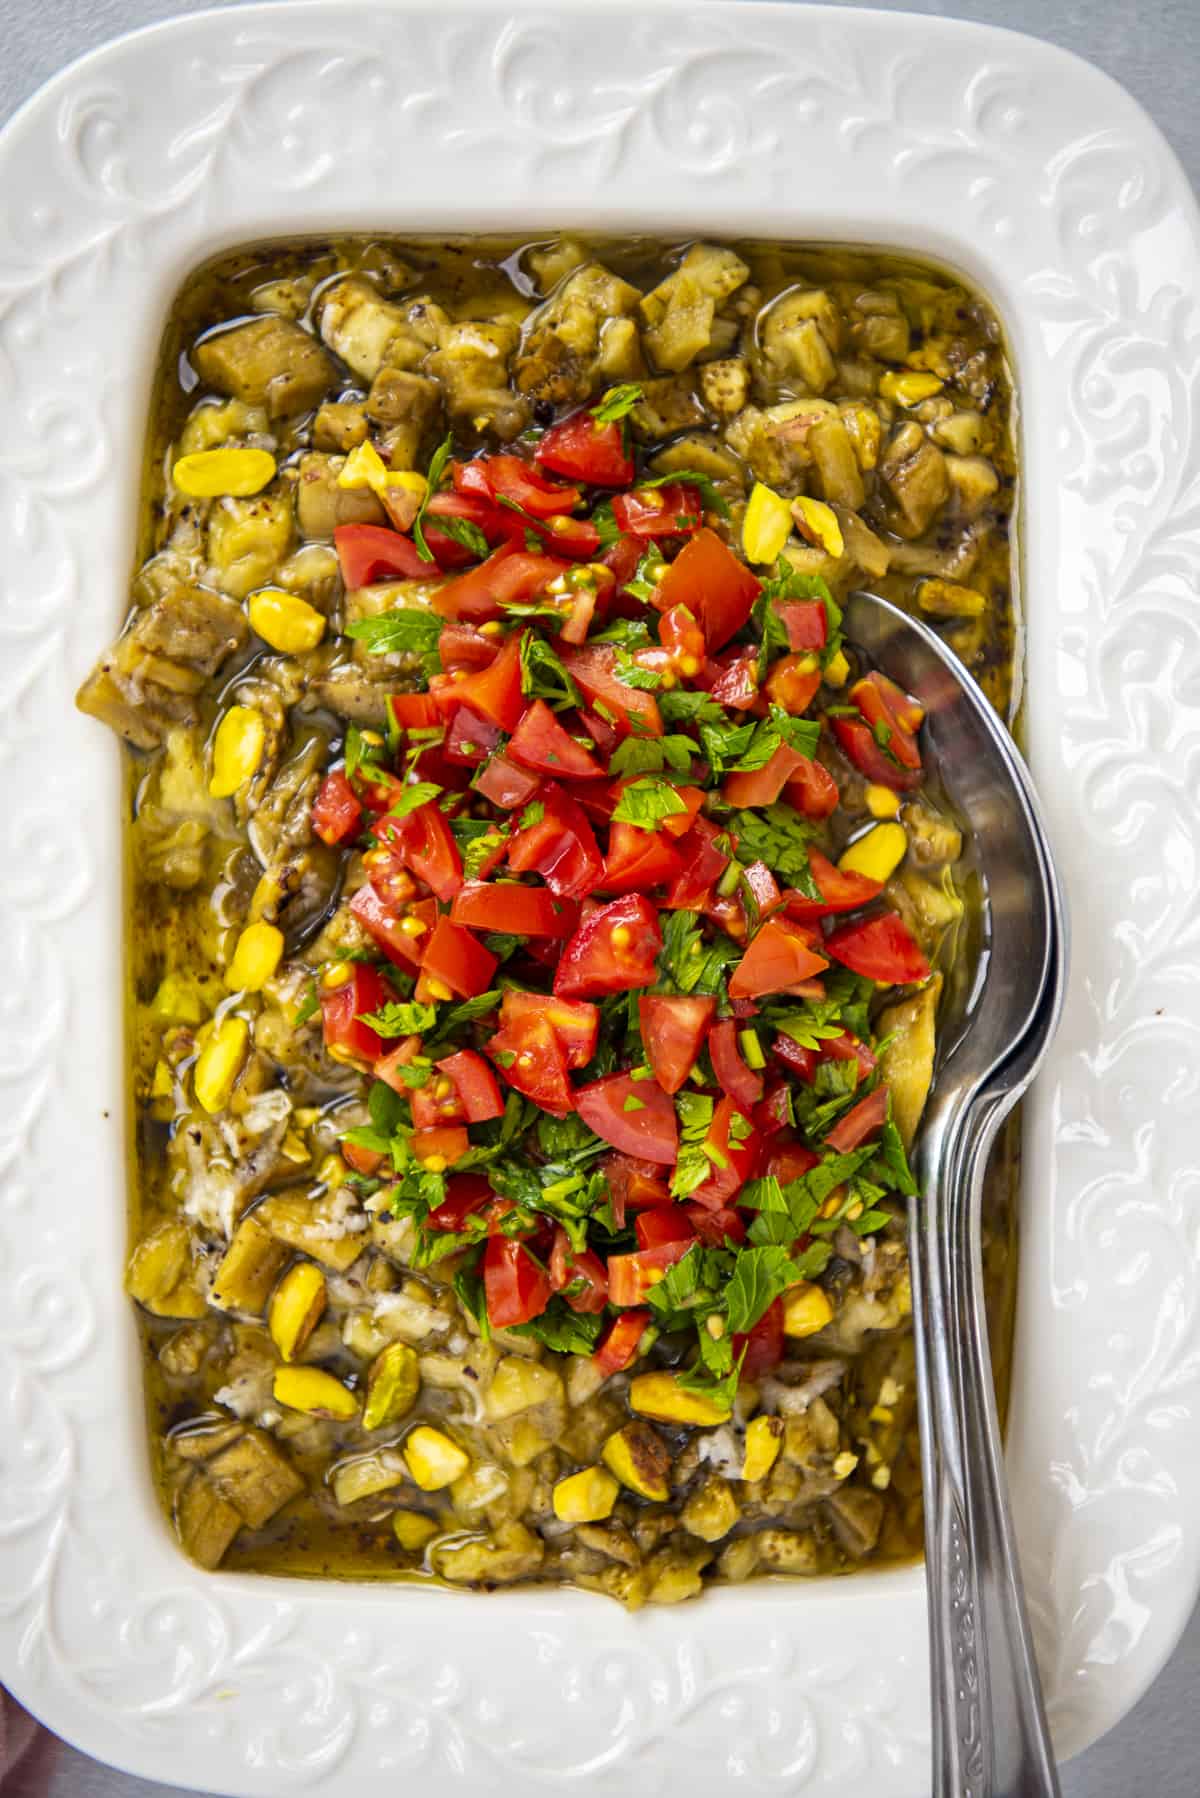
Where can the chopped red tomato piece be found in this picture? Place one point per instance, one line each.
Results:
(715, 1227)
(505, 906)
(579, 1274)
(560, 845)
(495, 691)
(683, 641)
(764, 1344)
(436, 1103)
(531, 1057)
(806, 622)
(516, 1287)
(792, 683)
(762, 786)
(458, 960)
(371, 552)
(414, 711)
(638, 860)
(849, 1048)
(780, 957)
(466, 1194)
(349, 993)
(733, 1148)
(861, 1122)
(425, 843)
(444, 1145)
(510, 477)
(840, 890)
(742, 1084)
(892, 712)
(734, 682)
(630, 1277)
(673, 1027)
(613, 950)
(475, 1085)
(541, 742)
(703, 865)
(470, 738)
(764, 888)
(791, 1161)
(506, 785)
(363, 1161)
(812, 790)
(882, 949)
(635, 1116)
(575, 1022)
(649, 512)
(584, 449)
(336, 811)
(717, 589)
(634, 1184)
(859, 746)
(401, 931)
(619, 1344)
(461, 647)
(509, 576)
(662, 1223)
(593, 669)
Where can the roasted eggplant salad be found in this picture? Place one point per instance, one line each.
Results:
(540, 911)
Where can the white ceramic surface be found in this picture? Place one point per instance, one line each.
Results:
(1044, 182)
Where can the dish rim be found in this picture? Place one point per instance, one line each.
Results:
(81, 1651)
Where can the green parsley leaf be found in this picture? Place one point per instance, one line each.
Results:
(695, 1113)
(434, 477)
(650, 755)
(502, 944)
(630, 633)
(617, 403)
(646, 804)
(461, 530)
(308, 1007)
(605, 523)
(778, 835)
(691, 477)
(407, 1017)
(759, 1276)
(644, 585)
(565, 1331)
(543, 675)
(891, 1153)
(801, 734)
(413, 798)
(684, 707)
(632, 674)
(360, 753)
(720, 1388)
(469, 1290)
(403, 632)
(533, 814)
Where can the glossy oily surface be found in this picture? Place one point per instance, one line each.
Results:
(1094, 282)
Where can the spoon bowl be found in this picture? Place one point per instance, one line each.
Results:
(990, 1738)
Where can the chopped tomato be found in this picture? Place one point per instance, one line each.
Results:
(461, 648)
(560, 845)
(673, 1027)
(619, 1343)
(584, 449)
(792, 683)
(683, 640)
(458, 960)
(510, 477)
(630, 1277)
(387, 1067)
(466, 1194)
(336, 811)
(613, 950)
(575, 537)
(414, 711)
(363, 1161)
(849, 1048)
(579, 1274)
(764, 888)
(372, 552)
(531, 1057)
(735, 679)
(516, 1287)
(506, 785)
(593, 669)
(762, 786)
(575, 1022)
(495, 691)
(470, 738)
(361, 991)
(717, 589)
(662, 1223)
(859, 746)
(780, 956)
(890, 712)
(732, 1146)
(385, 924)
(475, 1085)
(703, 865)
(638, 860)
(634, 1184)
(882, 949)
(861, 1122)
(791, 1161)
(425, 843)
(840, 890)
(496, 524)
(446, 1143)
(635, 1116)
(508, 577)
(764, 1344)
(743, 1084)
(713, 1227)
(505, 906)
(798, 1060)
(806, 622)
(812, 790)
(541, 742)
(649, 512)
(774, 1110)
(436, 1103)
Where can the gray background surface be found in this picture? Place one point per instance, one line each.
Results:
(1153, 48)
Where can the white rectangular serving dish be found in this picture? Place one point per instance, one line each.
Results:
(1043, 182)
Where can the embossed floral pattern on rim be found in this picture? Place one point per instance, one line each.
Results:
(1046, 183)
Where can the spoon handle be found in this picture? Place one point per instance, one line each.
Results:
(990, 1738)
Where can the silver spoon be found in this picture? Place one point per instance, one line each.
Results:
(990, 1738)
